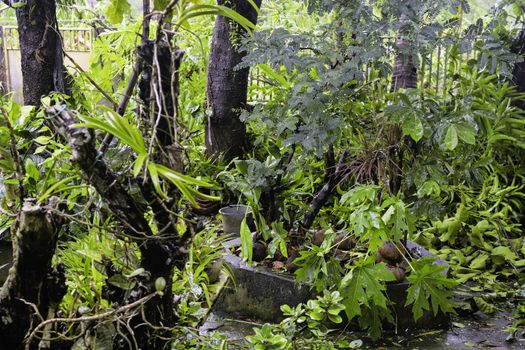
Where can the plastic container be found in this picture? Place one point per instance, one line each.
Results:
(232, 217)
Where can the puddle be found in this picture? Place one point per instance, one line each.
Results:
(259, 292)
(476, 332)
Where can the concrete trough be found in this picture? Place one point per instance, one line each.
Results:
(259, 292)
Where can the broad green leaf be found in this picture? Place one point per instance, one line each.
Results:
(246, 241)
(466, 133)
(451, 138)
(117, 9)
(479, 262)
(364, 286)
(429, 187)
(139, 162)
(429, 287)
(412, 126)
(502, 253)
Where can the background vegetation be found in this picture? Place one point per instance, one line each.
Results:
(367, 124)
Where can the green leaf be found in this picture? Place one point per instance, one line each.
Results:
(364, 286)
(117, 9)
(501, 254)
(413, 126)
(428, 188)
(18, 4)
(139, 162)
(429, 283)
(55, 187)
(205, 9)
(119, 127)
(31, 169)
(246, 241)
(272, 74)
(451, 138)
(160, 5)
(42, 140)
(120, 281)
(466, 133)
(479, 262)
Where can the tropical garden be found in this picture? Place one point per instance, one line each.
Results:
(370, 146)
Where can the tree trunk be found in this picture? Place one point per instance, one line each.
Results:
(160, 253)
(404, 76)
(227, 87)
(41, 50)
(30, 282)
(405, 69)
(158, 92)
(518, 73)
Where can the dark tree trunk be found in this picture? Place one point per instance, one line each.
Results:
(405, 69)
(158, 92)
(404, 77)
(518, 73)
(227, 87)
(41, 50)
(30, 281)
(160, 253)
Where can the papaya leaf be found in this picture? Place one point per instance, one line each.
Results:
(364, 286)
(429, 287)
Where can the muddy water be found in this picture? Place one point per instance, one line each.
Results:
(476, 332)
(466, 333)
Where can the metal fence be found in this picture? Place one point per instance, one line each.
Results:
(435, 66)
(432, 67)
(77, 42)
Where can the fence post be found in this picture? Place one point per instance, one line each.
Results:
(3, 64)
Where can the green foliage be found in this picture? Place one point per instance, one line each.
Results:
(317, 267)
(193, 283)
(429, 282)
(370, 221)
(117, 9)
(131, 136)
(459, 152)
(246, 240)
(305, 326)
(265, 339)
(363, 292)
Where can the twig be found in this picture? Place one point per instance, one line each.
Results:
(124, 308)
(93, 82)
